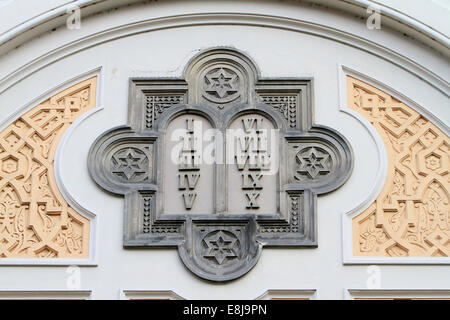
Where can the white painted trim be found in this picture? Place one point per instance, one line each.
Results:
(60, 183)
(347, 243)
(6, 294)
(39, 19)
(352, 294)
(128, 294)
(310, 294)
(205, 19)
(404, 19)
(96, 6)
(53, 15)
(92, 259)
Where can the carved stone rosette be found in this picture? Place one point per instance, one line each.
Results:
(270, 162)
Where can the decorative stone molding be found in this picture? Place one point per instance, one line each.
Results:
(45, 294)
(397, 294)
(299, 294)
(149, 295)
(411, 216)
(270, 162)
(388, 50)
(35, 220)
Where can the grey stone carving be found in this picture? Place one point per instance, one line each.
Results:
(221, 246)
(313, 162)
(221, 85)
(286, 104)
(157, 104)
(130, 164)
(223, 88)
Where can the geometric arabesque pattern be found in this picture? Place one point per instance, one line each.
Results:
(411, 215)
(35, 220)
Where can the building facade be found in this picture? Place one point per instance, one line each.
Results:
(224, 149)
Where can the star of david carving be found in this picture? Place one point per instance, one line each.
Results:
(221, 82)
(220, 247)
(222, 88)
(313, 163)
(129, 163)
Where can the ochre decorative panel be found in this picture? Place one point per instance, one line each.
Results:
(35, 220)
(411, 216)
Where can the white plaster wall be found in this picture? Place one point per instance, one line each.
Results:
(277, 52)
(433, 13)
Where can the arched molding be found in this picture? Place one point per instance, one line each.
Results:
(89, 37)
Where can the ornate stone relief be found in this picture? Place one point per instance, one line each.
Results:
(220, 163)
(411, 216)
(35, 220)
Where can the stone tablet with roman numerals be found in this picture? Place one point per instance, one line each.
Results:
(220, 164)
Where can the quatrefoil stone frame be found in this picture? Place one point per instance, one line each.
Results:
(220, 84)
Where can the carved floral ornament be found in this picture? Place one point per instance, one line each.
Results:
(411, 215)
(220, 163)
(35, 220)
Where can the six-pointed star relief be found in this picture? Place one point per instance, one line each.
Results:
(221, 82)
(220, 247)
(313, 163)
(129, 163)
